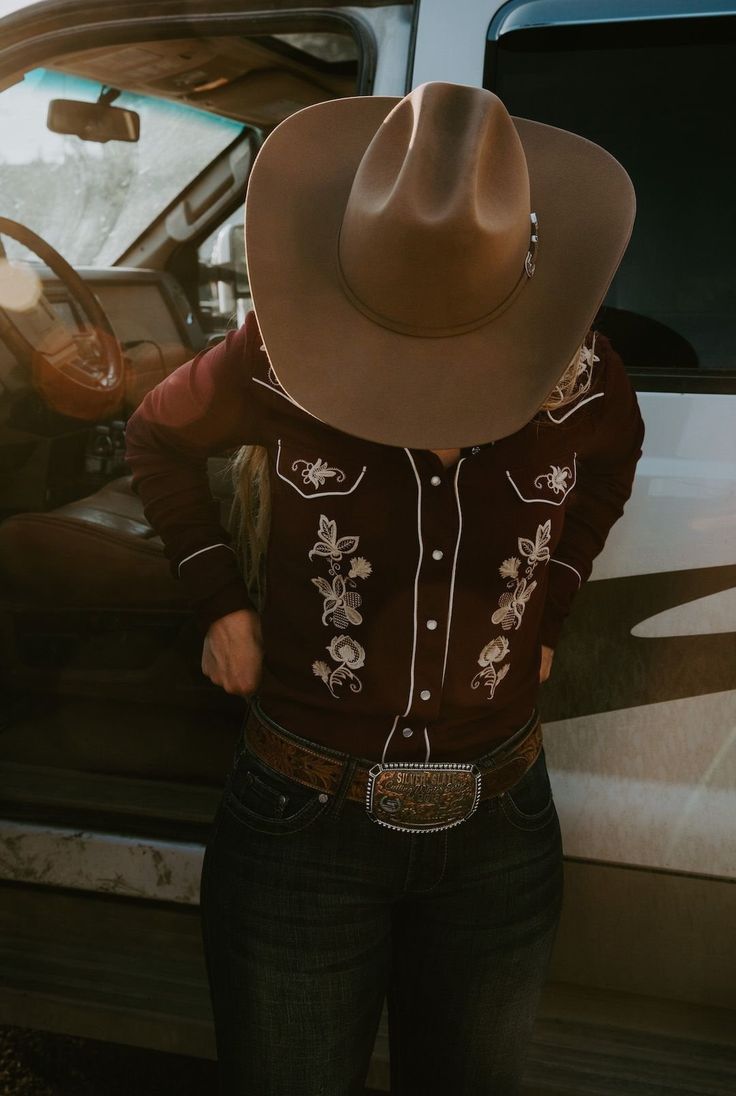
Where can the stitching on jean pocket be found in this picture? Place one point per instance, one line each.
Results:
(523, 821)
(516, 814)
(304, 817)
(254, 775)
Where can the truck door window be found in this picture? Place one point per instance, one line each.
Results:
(659, 95)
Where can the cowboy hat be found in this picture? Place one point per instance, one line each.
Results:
(423, 269)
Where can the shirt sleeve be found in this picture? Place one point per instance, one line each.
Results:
(205, 407)
(605, 478)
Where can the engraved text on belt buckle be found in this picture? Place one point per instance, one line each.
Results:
(422, 798)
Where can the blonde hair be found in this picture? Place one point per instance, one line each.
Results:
(250, 514)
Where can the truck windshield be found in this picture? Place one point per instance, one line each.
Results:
(89, 200)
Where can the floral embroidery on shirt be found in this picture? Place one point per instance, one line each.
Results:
(556, 479)
(271, 375)
(340, 606)
(511, 605)
(536, 551)
(510, 568)
(350, 655)
(272, 382)
(329, 544)
(318, 472)
(273, 379)
(359, 568)
(587, 359)
(583, 377)
(493, 653)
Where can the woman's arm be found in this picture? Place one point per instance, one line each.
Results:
(204, 407)
(605, 479)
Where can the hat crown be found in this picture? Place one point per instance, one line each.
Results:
(436, 226)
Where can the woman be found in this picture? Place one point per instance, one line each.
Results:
(437, 444)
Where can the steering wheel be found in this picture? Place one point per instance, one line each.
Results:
(78, 370)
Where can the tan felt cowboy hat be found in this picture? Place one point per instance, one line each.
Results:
(424, 269)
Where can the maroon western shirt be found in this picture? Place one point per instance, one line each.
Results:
(406, 603)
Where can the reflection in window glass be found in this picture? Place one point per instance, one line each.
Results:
(89, 200)
(326, 47)
(660, 97)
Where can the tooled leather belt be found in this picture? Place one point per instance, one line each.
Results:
(402, 795)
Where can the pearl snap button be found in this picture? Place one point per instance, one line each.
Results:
(437, 553)
(435, 481)
(323, 798)
(431, 624)
(425, 694)
(407, 732)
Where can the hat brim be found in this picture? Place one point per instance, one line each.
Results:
(423, 392)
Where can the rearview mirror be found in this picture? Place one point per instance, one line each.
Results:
(93, 121)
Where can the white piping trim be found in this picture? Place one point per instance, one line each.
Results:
(416, 579)
(289, 398)
(277, 391)
(317, 494)
(454, 565)
(547, 502)
(390, 736)
(572, 410)
(569, 567)
(220, 544)
(426, 739)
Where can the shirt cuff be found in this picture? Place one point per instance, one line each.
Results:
(212, 584)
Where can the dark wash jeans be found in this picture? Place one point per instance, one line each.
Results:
(312, 914)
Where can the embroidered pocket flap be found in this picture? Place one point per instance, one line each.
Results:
(314, 476)
(534, 483)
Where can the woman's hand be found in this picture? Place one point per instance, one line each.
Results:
(232, 655)
(545, 665)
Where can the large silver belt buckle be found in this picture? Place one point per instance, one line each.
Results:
(421, 798)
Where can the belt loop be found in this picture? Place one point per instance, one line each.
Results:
(343, 787)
